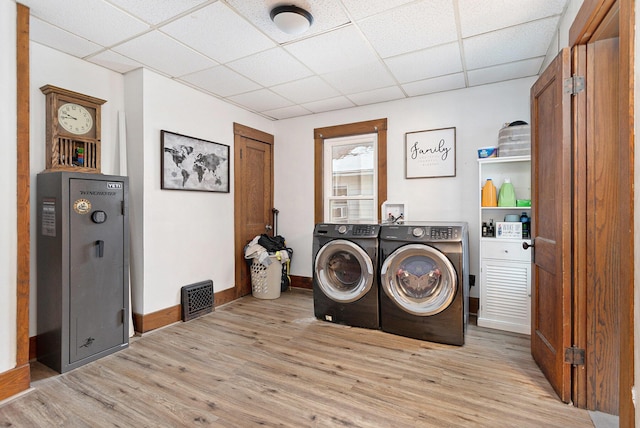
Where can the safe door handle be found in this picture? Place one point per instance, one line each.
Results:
(100, 248)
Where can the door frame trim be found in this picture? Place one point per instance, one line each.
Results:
(243, 131)
(590, 16)
(378, 126)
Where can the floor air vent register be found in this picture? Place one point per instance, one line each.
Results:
(197, 300)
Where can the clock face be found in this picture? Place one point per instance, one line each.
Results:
(75, 118)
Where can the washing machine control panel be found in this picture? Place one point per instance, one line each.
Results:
(443, 233)
(365, 230)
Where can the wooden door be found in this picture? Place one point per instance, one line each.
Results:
(253, 178)
(551, 186)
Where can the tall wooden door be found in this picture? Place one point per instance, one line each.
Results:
(551, 186)
(253, 178)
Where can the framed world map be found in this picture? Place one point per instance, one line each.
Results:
(189, 163)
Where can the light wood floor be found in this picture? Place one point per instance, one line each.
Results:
(270, 362)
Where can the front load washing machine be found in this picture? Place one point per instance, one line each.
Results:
(345, 263)
(424, 281)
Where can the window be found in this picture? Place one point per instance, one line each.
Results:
(350, 185)
(350, 172)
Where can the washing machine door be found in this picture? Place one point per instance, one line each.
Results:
(344, 271)
(419, 279)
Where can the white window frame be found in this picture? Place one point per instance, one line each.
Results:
(327, 159)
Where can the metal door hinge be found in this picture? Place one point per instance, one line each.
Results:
(574, 356)
(122, 207)
(574, 84)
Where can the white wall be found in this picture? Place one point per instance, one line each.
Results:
(177, 237)
(52, 67)
(8, 237)
(561, 39)
(476, 113)
(187, 235)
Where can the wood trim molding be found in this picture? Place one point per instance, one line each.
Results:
(241, 274)
(254, 134)
(18, 379)
(591, 13)
(15, 381)
(163, 317)
(301, 282)
(626, 155)
(378, 126)
(474, 305)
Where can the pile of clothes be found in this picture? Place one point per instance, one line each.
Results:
(264, 249)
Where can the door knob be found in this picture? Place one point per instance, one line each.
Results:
(526, 245)
(268, 227)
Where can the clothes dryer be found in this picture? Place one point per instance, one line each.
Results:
(424, 281)
(345, 280)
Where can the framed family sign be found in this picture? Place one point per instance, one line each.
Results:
(430, 153)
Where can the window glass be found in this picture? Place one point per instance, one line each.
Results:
(350, 179)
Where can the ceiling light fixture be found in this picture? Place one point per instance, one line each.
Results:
(291, 19)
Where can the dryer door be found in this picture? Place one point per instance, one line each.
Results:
(419, 279)
(343, 271)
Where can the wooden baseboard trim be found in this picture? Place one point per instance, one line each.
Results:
(301, 282)
(33, 351)
(145, 323)
(15, 381)
(474, 305)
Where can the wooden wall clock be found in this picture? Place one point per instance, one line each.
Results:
(73, 130)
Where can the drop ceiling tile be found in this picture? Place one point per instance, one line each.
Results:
(510, 44)
(56, 38)
(271, 67)
(498, 73)
(221, 81)
(218, 32)
(305, 90)
(286, 112)
(114, 61)
(415, 26)
(95, 20)
(261, 100)
(359, 79)
(161, 53)
(432, 62)
(336, 50)
(361, 9)
(157, 11)
(481, 17)
(327, 14)
(377, 96)
(437, 84)
(336, 103)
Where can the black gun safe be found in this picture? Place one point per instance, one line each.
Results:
(83, 267)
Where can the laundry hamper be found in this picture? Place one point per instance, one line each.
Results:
(265, 280)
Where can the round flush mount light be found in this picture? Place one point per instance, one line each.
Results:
(291, 19)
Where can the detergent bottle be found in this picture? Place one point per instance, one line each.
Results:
(489, 197)
(526, 225)
(507, 196)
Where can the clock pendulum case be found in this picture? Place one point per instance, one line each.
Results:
(73, 130)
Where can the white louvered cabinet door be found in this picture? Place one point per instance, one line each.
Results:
(505, 294)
